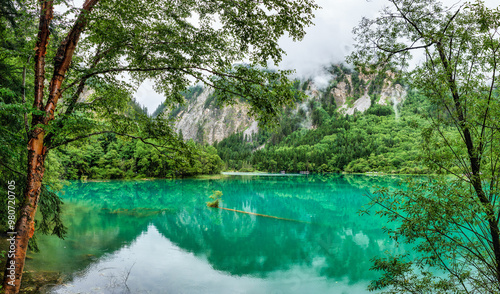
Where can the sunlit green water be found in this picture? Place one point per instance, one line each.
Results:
(159, 236)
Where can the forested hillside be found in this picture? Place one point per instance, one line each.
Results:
(354, 123)
(203, 118)
(373, 141)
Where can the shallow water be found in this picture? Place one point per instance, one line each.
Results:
(159, 236)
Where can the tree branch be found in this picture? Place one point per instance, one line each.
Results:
(12, 170)
(143, 140)
(46, 15)
(63, 58)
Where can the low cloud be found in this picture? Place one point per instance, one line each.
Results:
(148, 97)
(330, 40)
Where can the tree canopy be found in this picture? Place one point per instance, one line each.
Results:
(453, 222)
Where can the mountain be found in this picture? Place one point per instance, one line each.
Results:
(345, 92)
(351, 124)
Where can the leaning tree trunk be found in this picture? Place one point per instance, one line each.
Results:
(37, 151)
(25, 225)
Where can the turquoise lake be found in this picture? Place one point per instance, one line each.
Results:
(158, 236)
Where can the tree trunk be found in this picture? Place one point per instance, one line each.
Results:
(25, 225)
(475, 163)
(37, 151)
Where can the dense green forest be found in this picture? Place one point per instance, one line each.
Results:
(373, 141)
(112, 157)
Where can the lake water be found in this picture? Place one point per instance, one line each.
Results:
(159, 237)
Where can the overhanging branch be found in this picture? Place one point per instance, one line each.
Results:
(144, 140)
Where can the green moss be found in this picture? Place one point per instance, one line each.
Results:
(216, 197)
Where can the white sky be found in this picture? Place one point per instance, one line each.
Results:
(329, 40)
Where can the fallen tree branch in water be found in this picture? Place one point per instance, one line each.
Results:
(264, 215)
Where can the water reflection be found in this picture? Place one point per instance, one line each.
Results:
(328, 246)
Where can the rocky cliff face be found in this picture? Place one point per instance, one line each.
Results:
(202, 121)
(394, 94)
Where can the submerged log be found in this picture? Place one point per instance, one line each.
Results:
(263, 215)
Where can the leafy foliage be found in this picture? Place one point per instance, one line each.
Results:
(452, 222)
(113, 157)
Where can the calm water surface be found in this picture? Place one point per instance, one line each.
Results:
(159, 236)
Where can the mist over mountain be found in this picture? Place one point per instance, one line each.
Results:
(337, 89)
(349, 122)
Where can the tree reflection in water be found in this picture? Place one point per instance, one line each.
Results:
(329, 238)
